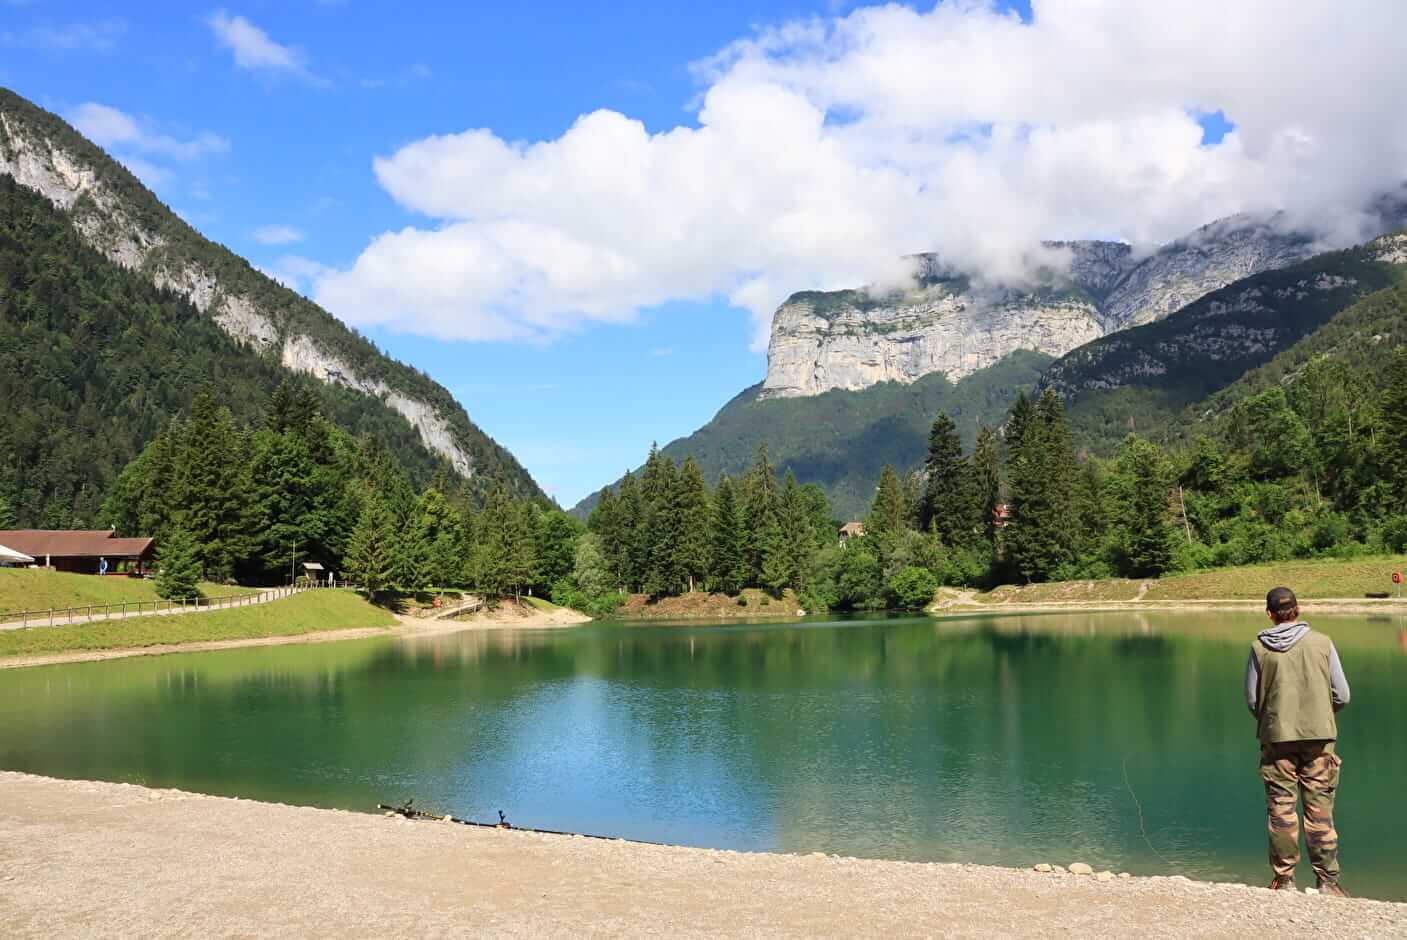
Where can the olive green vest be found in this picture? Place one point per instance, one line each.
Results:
(1294, 695)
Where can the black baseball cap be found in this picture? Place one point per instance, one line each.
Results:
(1281, 600)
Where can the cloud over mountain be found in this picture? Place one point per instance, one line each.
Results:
(824, 149)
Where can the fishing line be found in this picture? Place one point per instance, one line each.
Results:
(1143, 829)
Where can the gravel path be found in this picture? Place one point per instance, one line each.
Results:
(81, 859)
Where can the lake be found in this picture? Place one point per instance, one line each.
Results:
(1003, 739)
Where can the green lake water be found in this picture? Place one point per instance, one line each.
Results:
(1007, 740)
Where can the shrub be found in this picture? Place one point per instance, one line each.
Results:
(913, 588)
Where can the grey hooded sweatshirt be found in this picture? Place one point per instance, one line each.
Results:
(1280, 638)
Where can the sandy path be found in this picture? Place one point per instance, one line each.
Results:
(97, 859)
(406, 626)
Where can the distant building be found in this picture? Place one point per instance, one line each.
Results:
(851, 530)
(1001, 515)
(316, 572)
(9, 558)
(88, 551)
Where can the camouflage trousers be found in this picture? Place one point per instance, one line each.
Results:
(1311, 769)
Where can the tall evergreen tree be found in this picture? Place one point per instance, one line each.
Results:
(178, 566)
(506, 560)
(1017, 423)
(370, 558)
(555, 536)
(1146, 529)
(634, 549)
(660, 525)
(694, 519)
(759, 501)
(889, 515)
(210, 489)
(790, 556)
(1041, 536)
(986, 465)
(727, 540)
(951, 502)
(1393, 447)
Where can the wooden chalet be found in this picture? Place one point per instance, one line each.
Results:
(82, 551)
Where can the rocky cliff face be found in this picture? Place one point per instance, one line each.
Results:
(124, 230)
(846, 341)
(849, 340)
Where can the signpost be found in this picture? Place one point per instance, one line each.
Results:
(1397, 580)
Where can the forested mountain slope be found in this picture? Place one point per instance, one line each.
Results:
(95, 360)
(842, 440)
(273, 327)
(1143, 378)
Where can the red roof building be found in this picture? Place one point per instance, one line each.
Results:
(82, 551)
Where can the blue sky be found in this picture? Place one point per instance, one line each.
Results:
(578, 410)
(838, 138)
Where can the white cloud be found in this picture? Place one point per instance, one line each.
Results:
(277, 235)
(99, 36)
(824, 149)
(256, 50)
(111, 128)
(296, 272)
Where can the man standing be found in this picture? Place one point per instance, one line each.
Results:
(1294, 685)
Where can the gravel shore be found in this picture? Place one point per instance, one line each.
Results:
(83, 859)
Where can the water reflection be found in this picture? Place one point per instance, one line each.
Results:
(998, 739)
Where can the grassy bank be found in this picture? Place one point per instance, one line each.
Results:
(1309, 579)
(309, 612)
(41, 589)
(751, 603)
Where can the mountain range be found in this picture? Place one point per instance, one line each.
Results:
(1131, 341)
(113, 311)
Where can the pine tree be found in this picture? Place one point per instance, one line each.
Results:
(370, 550)
(889, 515)
(210, 488)
(1042, 533)
(660, 525)
(695, 515)
(1393, 447)
(727, 564)
(758, 500)
(634, 550)
(555, 536)
(178, 566)
(1017, 422)
(1147, 532)
(7, 513)
(506, 561)
(986, 465)
(951, 502)
(605, 523)
(790, 556)
(441, 532)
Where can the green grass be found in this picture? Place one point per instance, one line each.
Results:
(41, 589)
(1330, 578)
(1309, 579)
(543, 605)
(309, 612)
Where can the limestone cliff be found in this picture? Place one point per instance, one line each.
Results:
(851, 340)
(127, 224)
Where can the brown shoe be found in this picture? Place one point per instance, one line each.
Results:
(1331, 889)
(1282, 883)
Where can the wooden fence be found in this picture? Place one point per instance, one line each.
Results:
(90, 613)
